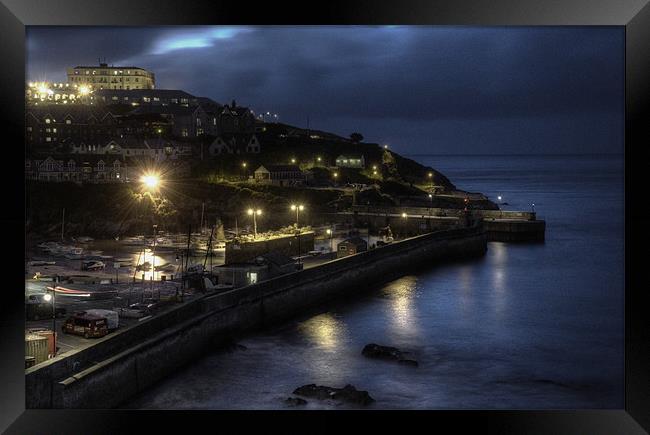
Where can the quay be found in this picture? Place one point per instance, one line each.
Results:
(500, 225)
(116, 367)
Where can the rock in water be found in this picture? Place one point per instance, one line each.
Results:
(373, 350)
(347, 394)
(408, 362)
(295, 401)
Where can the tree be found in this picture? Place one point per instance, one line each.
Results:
(356, 137)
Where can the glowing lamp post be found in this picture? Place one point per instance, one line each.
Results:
(254, 213)
(150, 181)
(52, 297)
(329, 233)
(298, 208)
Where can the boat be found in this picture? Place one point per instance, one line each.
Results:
(146, 266)
(41, 263)
(83, 239)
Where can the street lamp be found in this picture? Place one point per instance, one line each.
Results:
(430, 175)
(329, 233)
(293, 160)
(297, 208)
(404, 215)
(47, 297)
(254, 213)
(150, 181)
(385, 147)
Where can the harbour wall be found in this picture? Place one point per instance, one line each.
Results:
(501, 225)
(126, 363)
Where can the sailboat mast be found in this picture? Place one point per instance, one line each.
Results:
(202, 210)
(63, 224)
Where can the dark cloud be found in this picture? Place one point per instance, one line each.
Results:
(443, 89)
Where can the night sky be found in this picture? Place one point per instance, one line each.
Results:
(421, 89)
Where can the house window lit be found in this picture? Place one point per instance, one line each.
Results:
(47, 121)
(146, 99)
(156, 99)
(184, 132)
(48, 139)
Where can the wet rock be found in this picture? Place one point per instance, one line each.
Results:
(295, 401)
(373, 350)
(346, 394)
(408, 362)
(377, 351)
(230, 345)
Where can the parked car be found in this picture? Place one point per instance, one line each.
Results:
(112, 317)
(37, 311)
(93, 265)
(145, 308)
(86, 325)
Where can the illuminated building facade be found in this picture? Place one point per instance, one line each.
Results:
(111, 77)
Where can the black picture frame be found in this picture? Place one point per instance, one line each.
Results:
(633, 14)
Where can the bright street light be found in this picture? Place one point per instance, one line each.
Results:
(254, 213)
(297, 208)
(499, 197)
(47, 297)
(84, 90)
(404, 215)
(293, 160)
(150, 181)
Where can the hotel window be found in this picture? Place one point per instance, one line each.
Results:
(54, 130)
(199, 131)
(47, 120)
(87, 72)
(198, 122)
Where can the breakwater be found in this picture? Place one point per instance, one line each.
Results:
(127, 362)
(500, 225)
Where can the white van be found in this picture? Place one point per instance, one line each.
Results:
(112, 317)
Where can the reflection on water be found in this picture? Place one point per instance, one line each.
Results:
(402, 305)
(157, 265)
(324, 330)
(500, 258)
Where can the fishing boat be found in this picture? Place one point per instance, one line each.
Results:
(41, 263)
(146, 266)
(83, 239)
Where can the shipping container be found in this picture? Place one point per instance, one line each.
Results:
(51, 339)
(36, 346)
